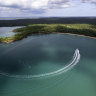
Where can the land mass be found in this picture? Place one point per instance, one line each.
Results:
(31, 29)
(47, 20)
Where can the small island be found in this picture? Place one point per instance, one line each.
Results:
(79, 29)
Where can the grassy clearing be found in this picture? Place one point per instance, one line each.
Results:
(81, 29)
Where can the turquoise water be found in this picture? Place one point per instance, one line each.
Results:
(22, 64)
(7, 31)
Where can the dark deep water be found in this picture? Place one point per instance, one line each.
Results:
(42, 54)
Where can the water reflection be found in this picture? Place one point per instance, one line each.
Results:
(7, 31)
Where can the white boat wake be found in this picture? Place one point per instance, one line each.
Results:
(74, 61)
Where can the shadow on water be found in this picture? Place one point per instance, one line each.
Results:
(19, 57)
(13, 63)
(11, 69)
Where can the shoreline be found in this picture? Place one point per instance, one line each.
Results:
(11, 41)
(84, 30)
(77, 35)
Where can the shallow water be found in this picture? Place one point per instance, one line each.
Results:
(42, 54)
(7, 31)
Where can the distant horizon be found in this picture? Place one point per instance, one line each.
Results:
(18, 18)
(52, 17)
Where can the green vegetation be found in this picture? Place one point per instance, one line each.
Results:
(81, 29)
(48, 20)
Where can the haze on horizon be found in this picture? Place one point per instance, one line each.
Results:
(47, 8)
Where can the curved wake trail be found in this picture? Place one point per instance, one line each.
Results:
(74, 61)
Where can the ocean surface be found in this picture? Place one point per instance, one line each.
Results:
(48, 65)
(7, 31)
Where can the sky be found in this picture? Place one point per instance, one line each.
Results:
(47, 8)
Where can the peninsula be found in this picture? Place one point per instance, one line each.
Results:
(80, 29)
